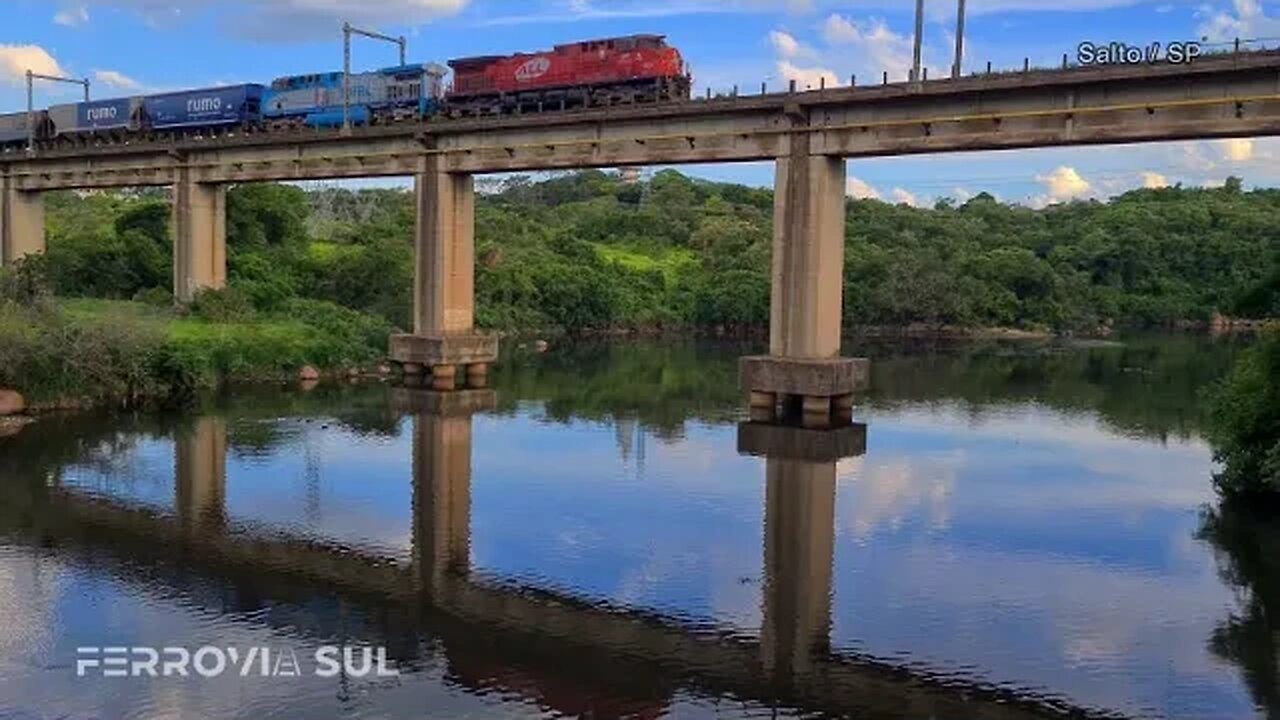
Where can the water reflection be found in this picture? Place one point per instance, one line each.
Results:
(590, 543)
(1248, 544)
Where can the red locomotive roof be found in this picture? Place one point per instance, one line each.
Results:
(481, 60)
(475, 60)
(601, 41)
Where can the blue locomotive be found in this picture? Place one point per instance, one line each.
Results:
(381, 96)
(386, 95)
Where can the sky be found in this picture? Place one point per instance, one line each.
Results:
(138, 46)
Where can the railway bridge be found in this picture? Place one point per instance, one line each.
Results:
(809, 135)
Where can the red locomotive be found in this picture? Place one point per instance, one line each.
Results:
(612, 71)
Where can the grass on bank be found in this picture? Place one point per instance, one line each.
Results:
(103, 350)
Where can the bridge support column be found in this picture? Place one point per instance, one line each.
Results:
(441, 479)
(199, 237)
(21, 223)
(799, 537)
(803, 370)
(444, 335)
(200, 475)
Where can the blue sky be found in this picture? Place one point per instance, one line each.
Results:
(129, 46)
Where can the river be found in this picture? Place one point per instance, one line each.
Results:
(1024, 530)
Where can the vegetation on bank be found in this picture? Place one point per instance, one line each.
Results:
(1245, 424)
(589, 251)
(57, 351)
(321, 277)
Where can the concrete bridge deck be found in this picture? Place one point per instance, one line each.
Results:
(1229, 95)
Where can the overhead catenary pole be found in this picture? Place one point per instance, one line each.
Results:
(918, 45)
(347, 31)
(956, 69)
(31, 98)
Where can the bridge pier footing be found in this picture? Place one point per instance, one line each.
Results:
(444, 336)
(803, 374)
(21, 223)
(199, 237)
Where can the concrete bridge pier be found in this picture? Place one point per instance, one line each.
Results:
(444, 337)
(803, 371)
(199, 230)
(200, 475)
(21, 222)
(441, 480)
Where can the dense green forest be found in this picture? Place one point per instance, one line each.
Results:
(588, 250)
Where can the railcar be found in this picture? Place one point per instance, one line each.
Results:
(98, 117)
(610, 71)
(215, 107)
(378, 97)
(15, 129)
(621, 70)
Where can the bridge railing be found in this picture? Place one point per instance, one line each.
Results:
(829, 81)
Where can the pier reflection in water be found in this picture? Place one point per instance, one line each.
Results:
(564, 653)
(373, 521)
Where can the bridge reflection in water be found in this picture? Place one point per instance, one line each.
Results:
(565, 653)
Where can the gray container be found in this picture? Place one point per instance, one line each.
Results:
(13, 126)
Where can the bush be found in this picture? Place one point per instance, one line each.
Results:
(1245, 423)
(155, 297)
(222, 306)
(26, 282)
(48, 355)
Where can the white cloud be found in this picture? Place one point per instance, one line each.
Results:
(1064, 183)
(870, 44)
(856, 188)
(1237, 150)
(1153, 180)
(72, 16)
(568, 11)
(116, 80)
(1247, 19)
(784, 43)
(904, 197)
(291, 20)
(807, 77)
(16, 60)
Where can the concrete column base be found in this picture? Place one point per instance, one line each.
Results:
(819, 392)
(446, 350)
(836, 377)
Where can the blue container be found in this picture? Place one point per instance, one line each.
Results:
(105, 114)
(231, 105)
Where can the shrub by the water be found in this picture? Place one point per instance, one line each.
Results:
(101, 350)
(1245, 423)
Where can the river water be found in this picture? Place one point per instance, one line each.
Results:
(1024, 530)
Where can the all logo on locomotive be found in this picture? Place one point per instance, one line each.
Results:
(613, 71)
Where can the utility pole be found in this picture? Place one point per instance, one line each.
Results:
(31, 104)
(919, 42)
(347, 31)
(956, 69)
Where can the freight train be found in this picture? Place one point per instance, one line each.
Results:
(623, 70)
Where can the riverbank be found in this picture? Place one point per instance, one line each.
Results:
(69, 354)
(72, 354)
